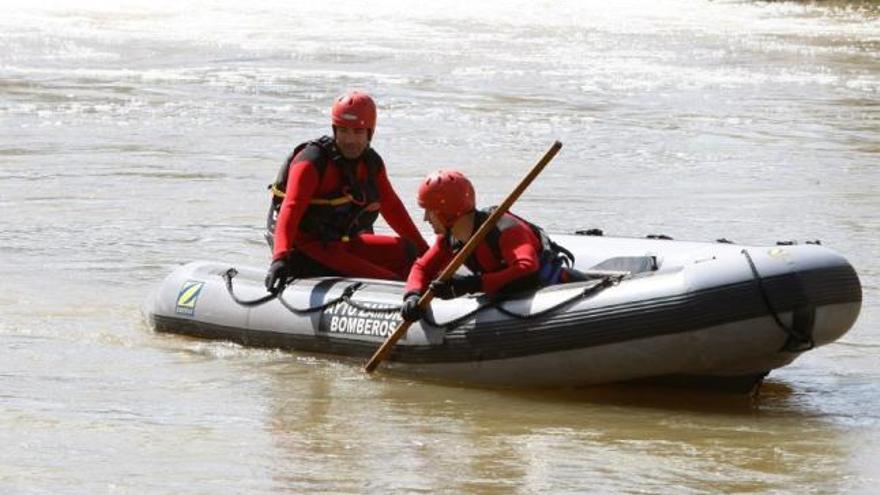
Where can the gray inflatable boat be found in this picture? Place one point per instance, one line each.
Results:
(716, 313)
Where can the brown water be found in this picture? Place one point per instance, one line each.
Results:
(138, 136)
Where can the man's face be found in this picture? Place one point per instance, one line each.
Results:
(433, 218)
(352, 142)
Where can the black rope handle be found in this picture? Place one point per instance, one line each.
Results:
(452, 324)
(229, 275)
(498, 301)
(586, 291)
(796, 342)
(346, 295)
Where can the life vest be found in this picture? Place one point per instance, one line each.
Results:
(552, 258)
(350, 210)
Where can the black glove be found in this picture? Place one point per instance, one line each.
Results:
(276, 276)
(410, 310)
(456, 286)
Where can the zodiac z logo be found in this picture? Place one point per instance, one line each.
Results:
(188, 296)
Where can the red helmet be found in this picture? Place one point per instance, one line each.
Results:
(355, 110)
(449, 193)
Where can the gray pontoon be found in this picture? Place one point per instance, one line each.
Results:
(652, 308)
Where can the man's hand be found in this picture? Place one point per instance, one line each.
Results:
(276, 276)
(410, 310)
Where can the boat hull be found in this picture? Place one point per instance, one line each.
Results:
(698, 310)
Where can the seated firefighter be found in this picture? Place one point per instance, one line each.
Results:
(325, 200)
(515, 256)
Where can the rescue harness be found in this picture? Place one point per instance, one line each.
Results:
(351, 210)
(552, 258)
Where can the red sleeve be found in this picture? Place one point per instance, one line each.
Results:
(302, 182)
(428, 266)
(395, 214)
(518, 250)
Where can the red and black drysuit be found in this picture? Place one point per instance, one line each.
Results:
(328, 208)
(509, 259)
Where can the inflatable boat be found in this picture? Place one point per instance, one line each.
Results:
(651, 308)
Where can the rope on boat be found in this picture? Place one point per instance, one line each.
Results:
(797, 341)
(496, 303)
(452, 324)
(346, 296)
(229, 275)
(493, 303)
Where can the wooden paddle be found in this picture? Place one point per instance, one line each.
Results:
(462, 255)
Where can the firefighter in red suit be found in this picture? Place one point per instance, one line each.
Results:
(326, 198)
(515, 256)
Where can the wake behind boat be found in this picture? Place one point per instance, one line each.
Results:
(652, 308)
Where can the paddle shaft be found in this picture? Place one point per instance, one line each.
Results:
(462, 255)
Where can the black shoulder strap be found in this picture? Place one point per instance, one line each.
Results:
(317, 152)
(367, 190)
(374, 161)
(492, 239)
(494, 235)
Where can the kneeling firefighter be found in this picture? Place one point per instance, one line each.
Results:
(515, 256)
(326, 198)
